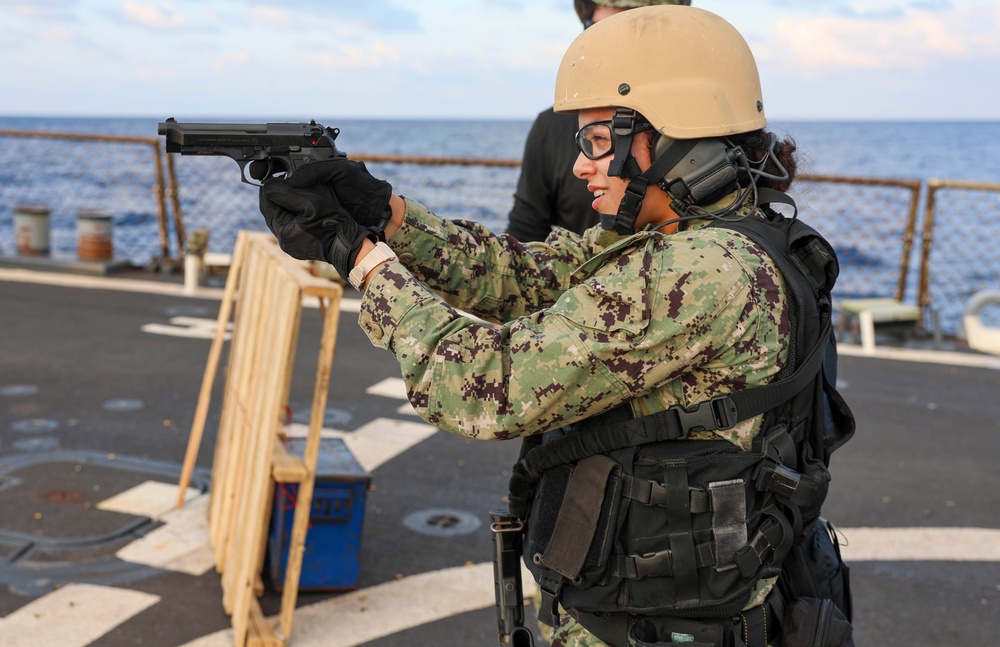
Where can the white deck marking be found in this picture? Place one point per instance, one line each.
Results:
(407, 410)
(182, 543)
(369, 614)
(390, 387)
(190, 327)
(349, 305)
(149, 499)
(920, 544)
(948, 358)
(136, 285)
(72, 616)
(108, 283)
(378, 441)
(393, 387)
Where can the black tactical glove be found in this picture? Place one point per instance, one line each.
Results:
(361, 194)
(311, 225)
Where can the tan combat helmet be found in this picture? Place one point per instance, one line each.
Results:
(688, 71)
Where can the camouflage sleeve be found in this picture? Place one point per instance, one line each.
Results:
(664, 319)
(494, 277)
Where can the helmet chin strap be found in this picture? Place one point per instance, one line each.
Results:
(623, 222)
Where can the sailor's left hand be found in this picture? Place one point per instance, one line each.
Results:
(311, 224)
(362, 195)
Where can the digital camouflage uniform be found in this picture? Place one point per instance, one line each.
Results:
(579, 325)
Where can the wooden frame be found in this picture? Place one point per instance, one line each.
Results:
(268, 288)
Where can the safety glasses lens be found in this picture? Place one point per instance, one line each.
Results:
(594, 140)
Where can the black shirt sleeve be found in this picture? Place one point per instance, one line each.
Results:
(548, 194)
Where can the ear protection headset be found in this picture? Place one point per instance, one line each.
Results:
(704, 172)
(695, 172)
(692, 171)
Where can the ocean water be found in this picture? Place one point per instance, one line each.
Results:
(879, 149)
(966, 150)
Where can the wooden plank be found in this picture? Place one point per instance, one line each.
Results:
(208, 378)
(309, 283)
(222, 440)
(261, 632)
(229, 443)
(286, 468)
(242, 388)
(300, 523)
(252, 520)
(259, 403)
(256, 317)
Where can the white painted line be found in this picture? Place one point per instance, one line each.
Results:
(390, 387)
(72, 616)
(107, 283)
(395, 606)
(149, 499)
(182, 544)
(377, 442)
(407, 410)
(369, 614)
(948, 358)
(138, 285)
(190, 327)
(920, 544)
(346, 305)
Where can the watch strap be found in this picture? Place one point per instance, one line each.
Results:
(380, 254)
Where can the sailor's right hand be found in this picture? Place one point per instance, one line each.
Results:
(362, 195)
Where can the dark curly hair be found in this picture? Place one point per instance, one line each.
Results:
(757, 147)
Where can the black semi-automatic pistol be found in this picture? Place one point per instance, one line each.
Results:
(280, 148)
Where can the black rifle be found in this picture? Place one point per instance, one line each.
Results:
(280, 148)
(507, 533)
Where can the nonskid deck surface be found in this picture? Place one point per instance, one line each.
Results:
(99, 380)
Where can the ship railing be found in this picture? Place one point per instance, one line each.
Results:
(928, 244)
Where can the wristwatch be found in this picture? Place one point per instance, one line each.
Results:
(380, 254)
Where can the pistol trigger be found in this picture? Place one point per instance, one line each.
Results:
(258, 170)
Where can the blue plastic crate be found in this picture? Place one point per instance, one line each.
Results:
(331, 561)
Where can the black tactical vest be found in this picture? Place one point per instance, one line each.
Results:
(627, 519)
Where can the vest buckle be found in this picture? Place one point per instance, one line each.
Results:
(719, 413)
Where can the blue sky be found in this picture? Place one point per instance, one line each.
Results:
(882, 59)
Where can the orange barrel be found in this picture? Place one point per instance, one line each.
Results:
(93, 236)
(31, 230)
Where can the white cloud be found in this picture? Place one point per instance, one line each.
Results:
(153, 15)
(58, 34)
(274, 16)
(378, 54)
(915, 39)
(34, 10)
(230, 60)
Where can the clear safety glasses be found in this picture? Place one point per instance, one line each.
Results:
(596, 141)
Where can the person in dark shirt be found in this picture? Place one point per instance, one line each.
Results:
(548, 195)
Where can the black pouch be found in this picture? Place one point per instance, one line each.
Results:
(814, 568)
(655, 632)
(815, 622)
